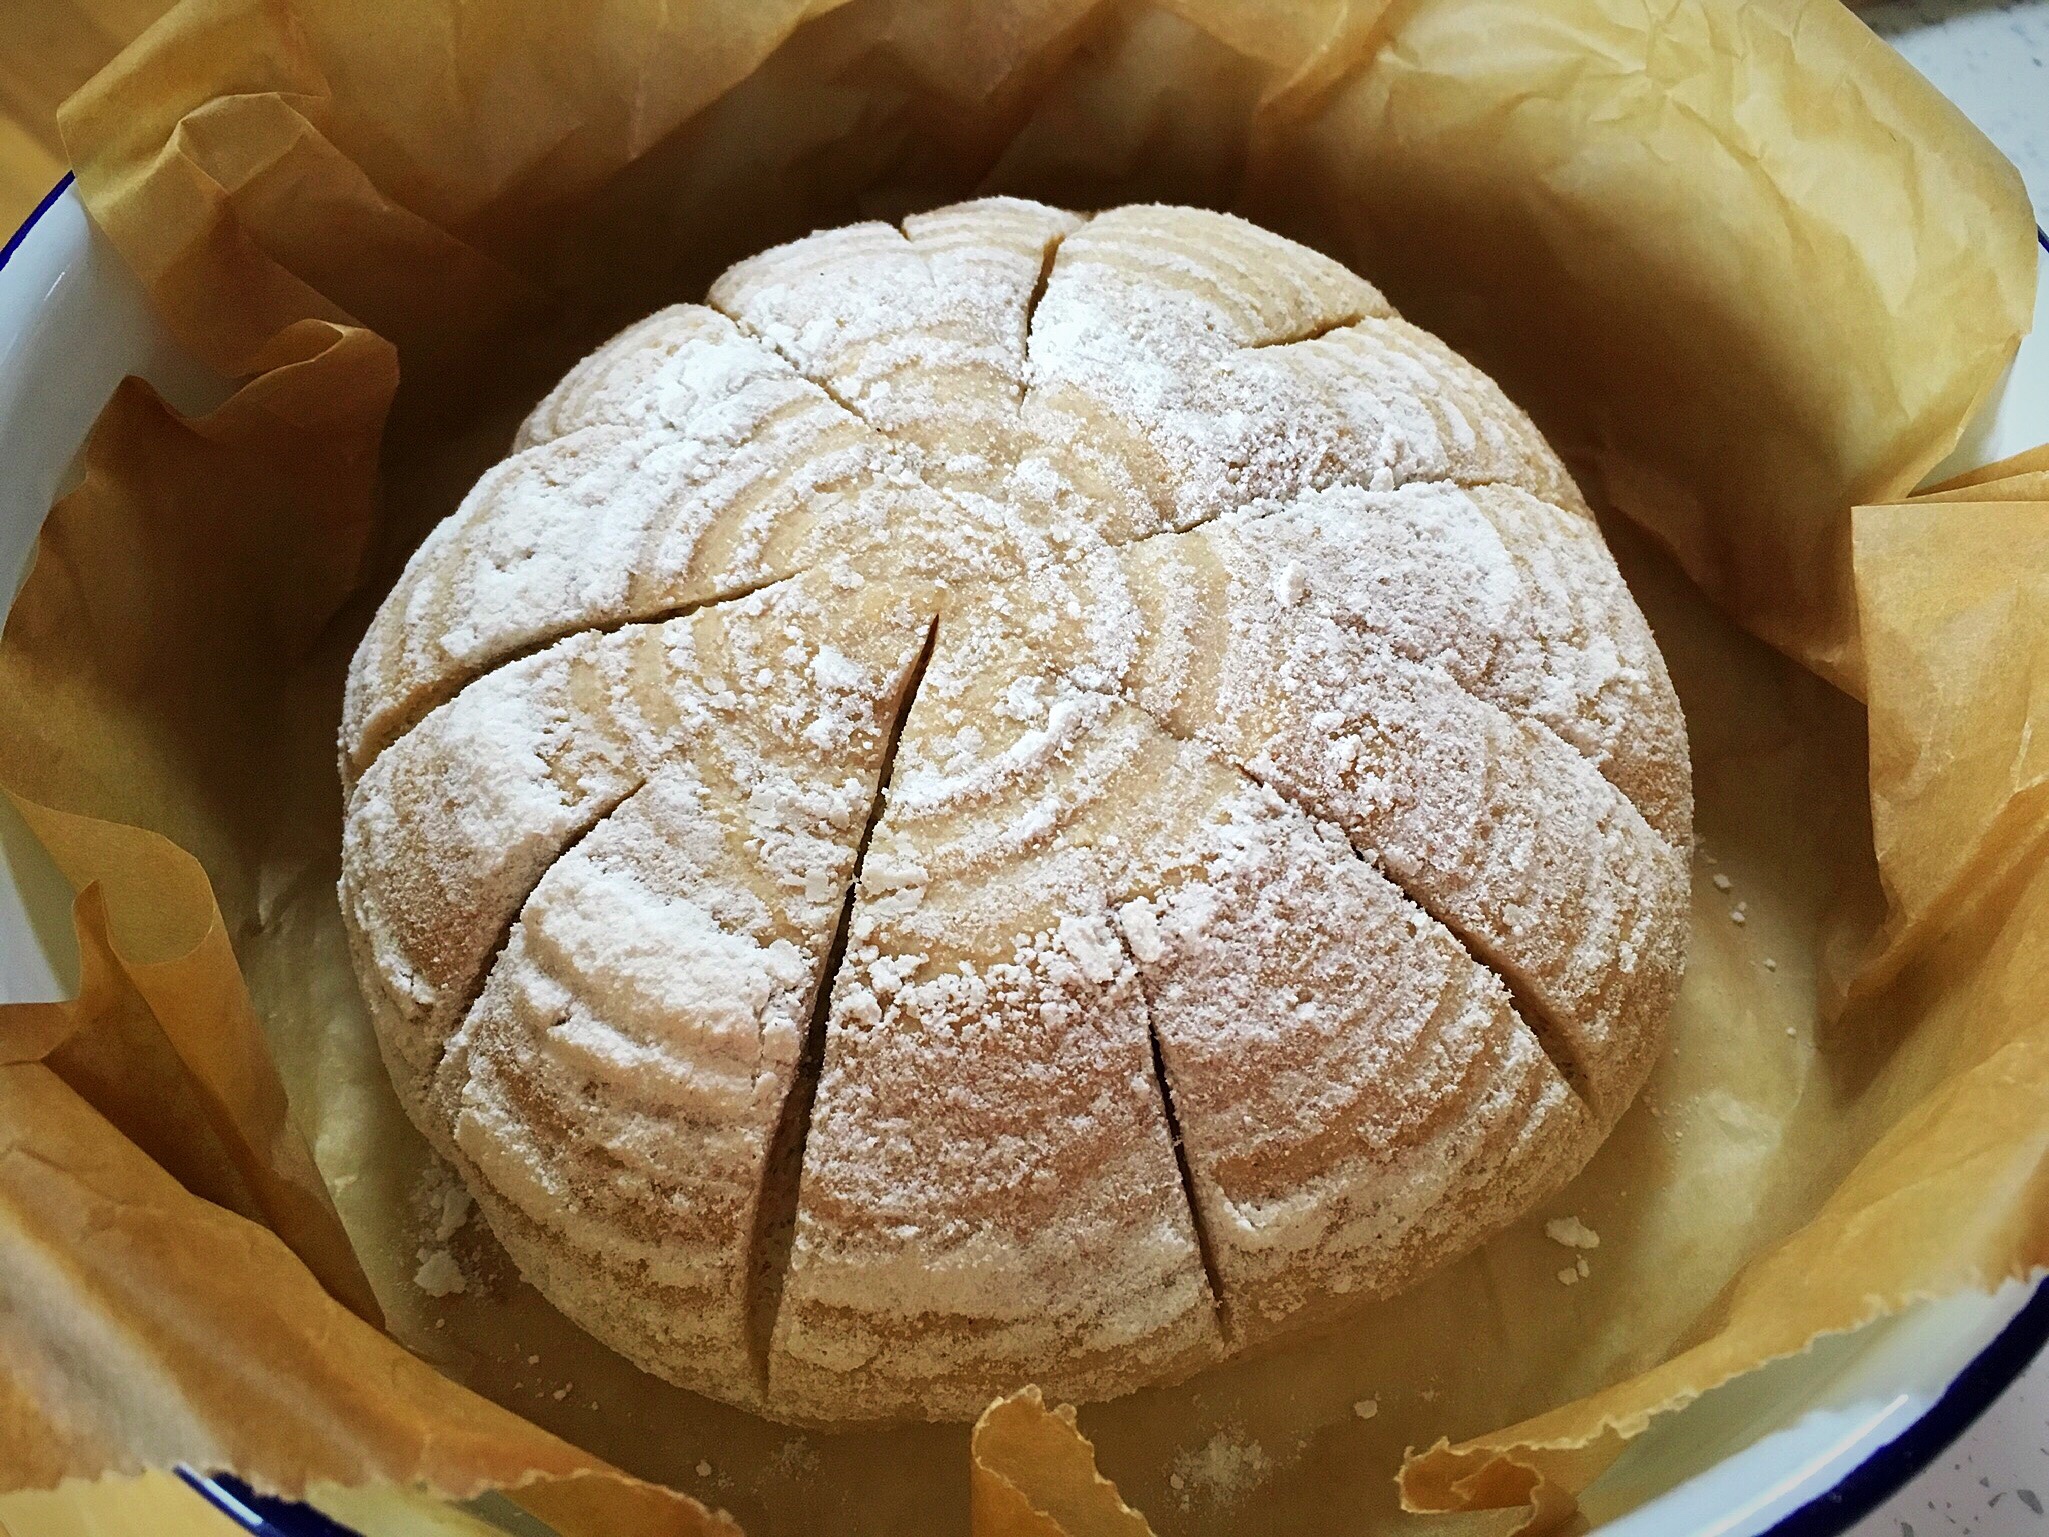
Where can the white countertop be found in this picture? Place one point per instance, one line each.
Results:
(1992, 59)
(1992, 1482)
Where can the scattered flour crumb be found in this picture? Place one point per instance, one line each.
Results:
(1176, 1481)
(456, 1206)
(1569, 1276)
(533, 1360)
(1737, 915)
(1227, 1468)
(704, 1470)
(795, 1461)
(1572, 1233)
(439, 1275)
(560, 1393)
(441, 1205)
(1583, 1267)
(1366, 1408)
(1290, 583)
(1770, 964)
(1722, 882)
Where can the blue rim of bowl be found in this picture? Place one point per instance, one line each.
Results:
(1870, 1483)
(14, 240)
(262, 1515)
(1890, 1467)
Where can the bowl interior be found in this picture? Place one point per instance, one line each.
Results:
(73, 323)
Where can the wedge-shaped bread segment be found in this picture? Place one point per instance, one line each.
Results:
(990, 1194)
(1184, 370)
(1582, 660)
(1356, 1097)
(449, 830)
(920, 329)
(1196, 281)
(1516, 598)
(452, 827)
(686, 370)
(1141, 306)
(722, 471)
(615, 1090)
(1456, 424)
(1494, 825)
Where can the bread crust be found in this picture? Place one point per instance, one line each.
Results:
(1016, 798)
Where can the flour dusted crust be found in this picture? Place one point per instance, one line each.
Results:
(921, 330)
(1020, 797)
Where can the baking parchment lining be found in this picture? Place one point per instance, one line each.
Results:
(1747, 268)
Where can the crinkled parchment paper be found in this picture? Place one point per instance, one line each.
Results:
(1749, 271)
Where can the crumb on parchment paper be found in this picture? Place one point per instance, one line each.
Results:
(439, 1275)
(1224, 1470)
(441, 1205)
(1572, 1233)
(795, 1463)
(456, 1206)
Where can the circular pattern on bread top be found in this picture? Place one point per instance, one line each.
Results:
(1016, 798)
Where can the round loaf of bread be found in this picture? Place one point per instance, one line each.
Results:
(1016, 798)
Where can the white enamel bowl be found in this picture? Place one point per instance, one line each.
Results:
(1799, 1450)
